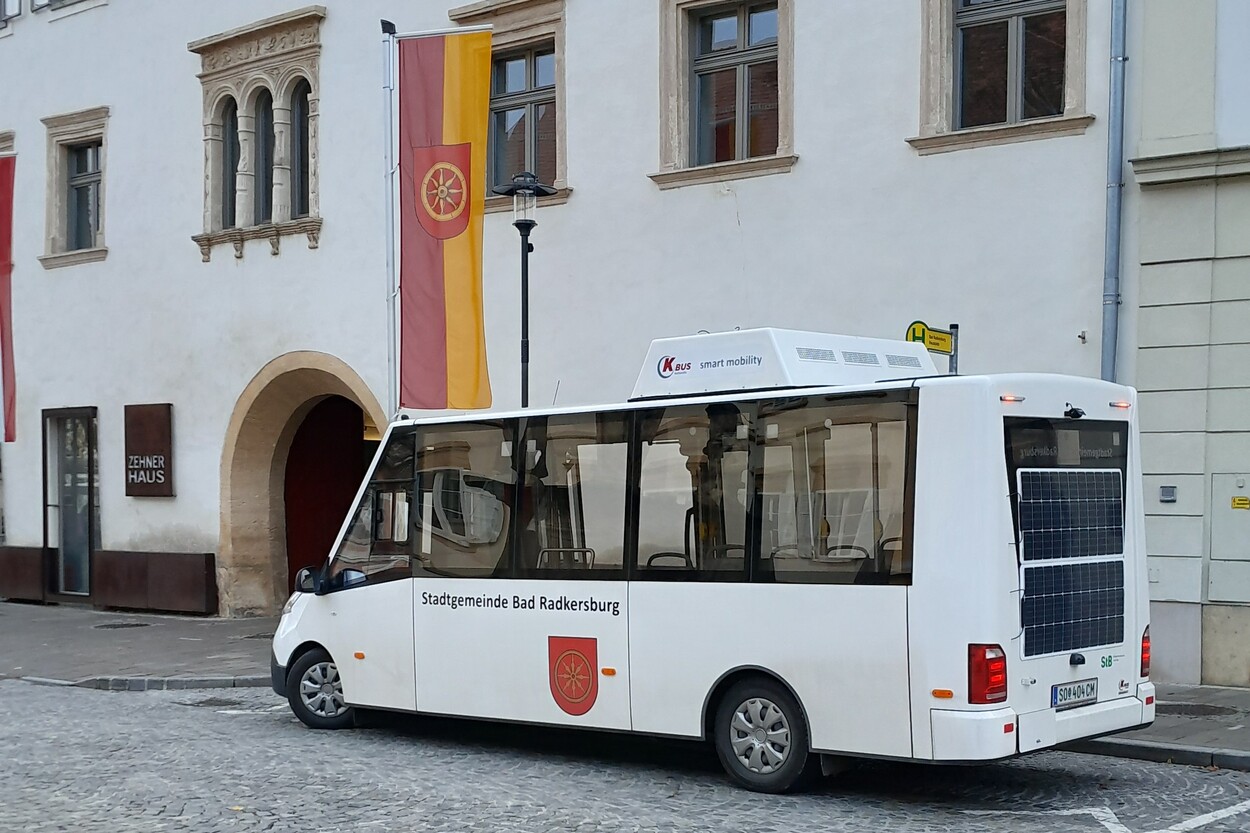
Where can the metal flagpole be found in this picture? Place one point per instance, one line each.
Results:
(392, 288)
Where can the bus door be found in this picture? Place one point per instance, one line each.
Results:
(1079, 643)
(521, 609)
(367, 607)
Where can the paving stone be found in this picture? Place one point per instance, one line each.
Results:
(88, 760)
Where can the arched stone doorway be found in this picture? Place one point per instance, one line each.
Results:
(252, 565)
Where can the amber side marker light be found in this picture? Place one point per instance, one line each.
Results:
(1123, 406)
(609, 672)
(1008, 397)
(359, 655)
(943, 693)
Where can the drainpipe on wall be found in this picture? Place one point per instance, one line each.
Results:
(1115, 193)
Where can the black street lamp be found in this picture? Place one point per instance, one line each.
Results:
(525, 189)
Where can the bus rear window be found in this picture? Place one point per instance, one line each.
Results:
(1063, 443)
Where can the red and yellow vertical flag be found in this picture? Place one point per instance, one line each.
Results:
(444, 105)
(8, 165)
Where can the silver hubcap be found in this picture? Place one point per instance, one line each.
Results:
(322, 691)
(759, 735)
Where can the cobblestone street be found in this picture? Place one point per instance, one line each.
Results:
(235, 759)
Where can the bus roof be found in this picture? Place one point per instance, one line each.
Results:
(770, 359)
(409, 418)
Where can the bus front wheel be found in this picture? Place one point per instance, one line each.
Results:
(315, 691)
(761, 737)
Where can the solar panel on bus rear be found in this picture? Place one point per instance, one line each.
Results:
(1071, 513)
(1068, 514)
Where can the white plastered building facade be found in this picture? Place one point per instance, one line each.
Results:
(871, 208)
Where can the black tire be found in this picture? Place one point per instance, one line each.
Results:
(761, 737)
(323, 709)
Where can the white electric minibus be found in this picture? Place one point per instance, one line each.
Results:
(803, 547)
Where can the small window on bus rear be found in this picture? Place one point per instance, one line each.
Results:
(1044, 446)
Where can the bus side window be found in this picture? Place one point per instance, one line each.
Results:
(693, 492)
(461, 506)
(833, 492)
(377, 545)
(572, 508)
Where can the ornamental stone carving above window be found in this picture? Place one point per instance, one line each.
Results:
(261, 89)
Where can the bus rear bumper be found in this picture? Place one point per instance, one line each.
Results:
(973, 735)
(1043, 729)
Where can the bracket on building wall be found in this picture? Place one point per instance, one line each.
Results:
(310, 227)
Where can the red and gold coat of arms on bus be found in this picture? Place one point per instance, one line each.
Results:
(574, 672)
(442, 183)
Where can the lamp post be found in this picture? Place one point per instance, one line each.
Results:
(525, 189)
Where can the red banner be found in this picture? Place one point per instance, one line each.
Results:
(574, 672)
(8, 165)
(444, 102)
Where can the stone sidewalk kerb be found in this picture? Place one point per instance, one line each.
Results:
(1204, 726)
(66, 645)
(155, 683)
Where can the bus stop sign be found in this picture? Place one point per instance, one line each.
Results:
(934, 340)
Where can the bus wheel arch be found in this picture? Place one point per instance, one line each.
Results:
(300, 650)
(732, 677)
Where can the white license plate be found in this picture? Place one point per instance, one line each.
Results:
(1071, 695)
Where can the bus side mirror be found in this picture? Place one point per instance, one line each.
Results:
(305, 581)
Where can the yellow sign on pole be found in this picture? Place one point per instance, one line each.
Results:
(934, 340)
(1241, 502)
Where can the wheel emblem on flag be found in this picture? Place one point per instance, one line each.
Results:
(442, 184)
(574, 672)
(443, 192)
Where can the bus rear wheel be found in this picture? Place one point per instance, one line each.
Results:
(761, 737)
(315, 692)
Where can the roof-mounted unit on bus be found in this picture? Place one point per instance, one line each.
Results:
(768, 358)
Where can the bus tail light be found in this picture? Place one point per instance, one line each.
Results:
(987, 674)
(1145, 652)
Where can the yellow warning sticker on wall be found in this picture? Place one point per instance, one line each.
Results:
(1241, 501)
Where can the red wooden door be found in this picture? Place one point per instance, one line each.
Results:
(323, 472)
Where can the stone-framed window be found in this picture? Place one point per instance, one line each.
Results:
(261, 87)
(981, 87)
(9, 9)
(722, 62)
(523, 114)
(75, 203)
(58, 9)
(525, 30)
